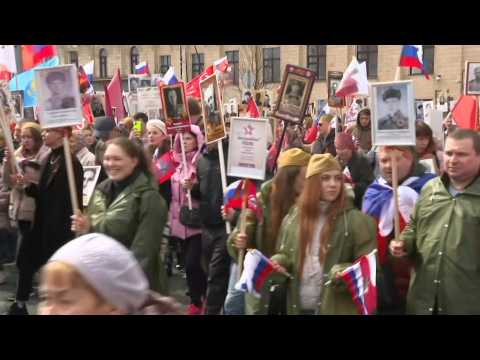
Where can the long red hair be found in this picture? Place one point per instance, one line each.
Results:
(309, 213)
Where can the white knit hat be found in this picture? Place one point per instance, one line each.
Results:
(159, 124)
(109, 267)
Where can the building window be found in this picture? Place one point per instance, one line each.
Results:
(428, 61)
(317, 60)
(369, 53)
(73, 55)
(198, 61)
(233, 61)
(134, 58)
(165, 63)
(103, 63)
(271, 65)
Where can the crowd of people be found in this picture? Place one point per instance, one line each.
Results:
(327, 200)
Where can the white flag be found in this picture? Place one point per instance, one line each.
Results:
(7, 59)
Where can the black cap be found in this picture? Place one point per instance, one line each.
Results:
(392, 93)
(104, 123)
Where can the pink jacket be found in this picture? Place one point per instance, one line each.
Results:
(179, 196)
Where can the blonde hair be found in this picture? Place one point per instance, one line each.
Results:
(67, 274)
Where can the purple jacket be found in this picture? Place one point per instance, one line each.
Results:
(179, 196)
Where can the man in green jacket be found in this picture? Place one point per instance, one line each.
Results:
(442, 236)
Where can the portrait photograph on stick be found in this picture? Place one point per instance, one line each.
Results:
(294, 93)
(334, 79)
(393, 113)
(212, 110)
(472, 78)
(58, 96)
(175, 111)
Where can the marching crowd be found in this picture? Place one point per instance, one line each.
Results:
(328, 200)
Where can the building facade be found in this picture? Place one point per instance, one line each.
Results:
(261, 66)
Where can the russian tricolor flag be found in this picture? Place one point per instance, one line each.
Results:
(361, 281)
(412, 56)
(142, 68)
(170, 78)
(257, 268)
(88, 68)
(33, 55)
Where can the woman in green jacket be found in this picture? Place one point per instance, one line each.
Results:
(320, 237)
(128, 208)
(275, 199)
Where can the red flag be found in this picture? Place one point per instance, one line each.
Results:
(114, 97)
(465, 112)
(252, 109)
(33, 55)
(193, 87)
(87, 109)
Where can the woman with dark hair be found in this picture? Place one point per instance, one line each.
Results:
(188, 238)
(275, 198)
(426, 148)
(362, 132)
(128, 207)
(321, 237)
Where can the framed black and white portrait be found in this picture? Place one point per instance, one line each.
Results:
(295, 94)
(58, 96)
(393, 113)
(472, 78)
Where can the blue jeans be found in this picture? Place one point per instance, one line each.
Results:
(235, 300)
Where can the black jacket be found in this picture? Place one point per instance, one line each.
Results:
(327, 145)
(362, 176)
(52, 223)
(208, 189)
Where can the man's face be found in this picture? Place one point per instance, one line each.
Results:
(404, 163)
(56, 87)
(344, 153)
(462, 163)
(52, 137)
(393, 105)
(295, 90)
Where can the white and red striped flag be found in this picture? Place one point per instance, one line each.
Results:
(361, 281)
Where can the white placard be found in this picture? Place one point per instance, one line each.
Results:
(435, 121)
(149, 101)
(393, 113)
(58, 96)
(247, 152)
(90, 178)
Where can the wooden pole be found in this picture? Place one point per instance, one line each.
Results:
(70, 174)
(280, 145)
(398, 73)
(223, 176)
(184, 161)
(9, 141)
(394, 156)
(243, 224)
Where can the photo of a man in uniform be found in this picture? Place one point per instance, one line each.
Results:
(474, 84)
(212, 113)
(56, 82)
(175, 106)
(394, 119)
(294, 93)
(133, 85)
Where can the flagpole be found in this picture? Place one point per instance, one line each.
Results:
(184, 161)
(223, 177)
(243, 225)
